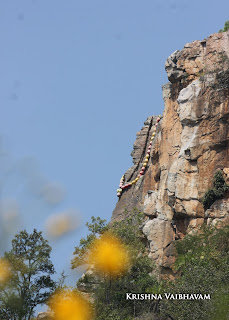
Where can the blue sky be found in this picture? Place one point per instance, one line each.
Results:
(78, 79)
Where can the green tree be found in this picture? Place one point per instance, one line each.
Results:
(137, 280)
(128, 230)
(226, 27)
(97, 227)
(30, 283)
(109, 293)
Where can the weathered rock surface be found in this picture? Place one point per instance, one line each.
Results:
(191, 143)
(133, 198)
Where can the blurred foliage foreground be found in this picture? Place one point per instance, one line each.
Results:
(202, 267)
(118, 263)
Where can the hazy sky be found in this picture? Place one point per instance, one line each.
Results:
(77, 81)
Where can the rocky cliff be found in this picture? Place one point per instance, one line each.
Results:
(190, 144)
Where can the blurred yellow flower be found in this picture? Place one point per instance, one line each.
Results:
(70, 306)
(4, 270)
(61, 224)
(57, 226)
(108, 255)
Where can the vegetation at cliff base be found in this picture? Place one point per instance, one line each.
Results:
(109, 292)
(217, 191)
(70, 304)
(226, 27)
(202, 266)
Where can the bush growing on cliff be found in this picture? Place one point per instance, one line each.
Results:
(217, 192)
(226, 27)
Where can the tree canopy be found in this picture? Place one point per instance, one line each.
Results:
(109, 293)
(30, 282)
(226, 27)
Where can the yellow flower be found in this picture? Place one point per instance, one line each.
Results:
(4, 270)
(70, 306)
(60, 224)
(108, 255)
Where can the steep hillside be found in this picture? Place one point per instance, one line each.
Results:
(190, 145)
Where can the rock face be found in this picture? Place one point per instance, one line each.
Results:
(191, 143)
